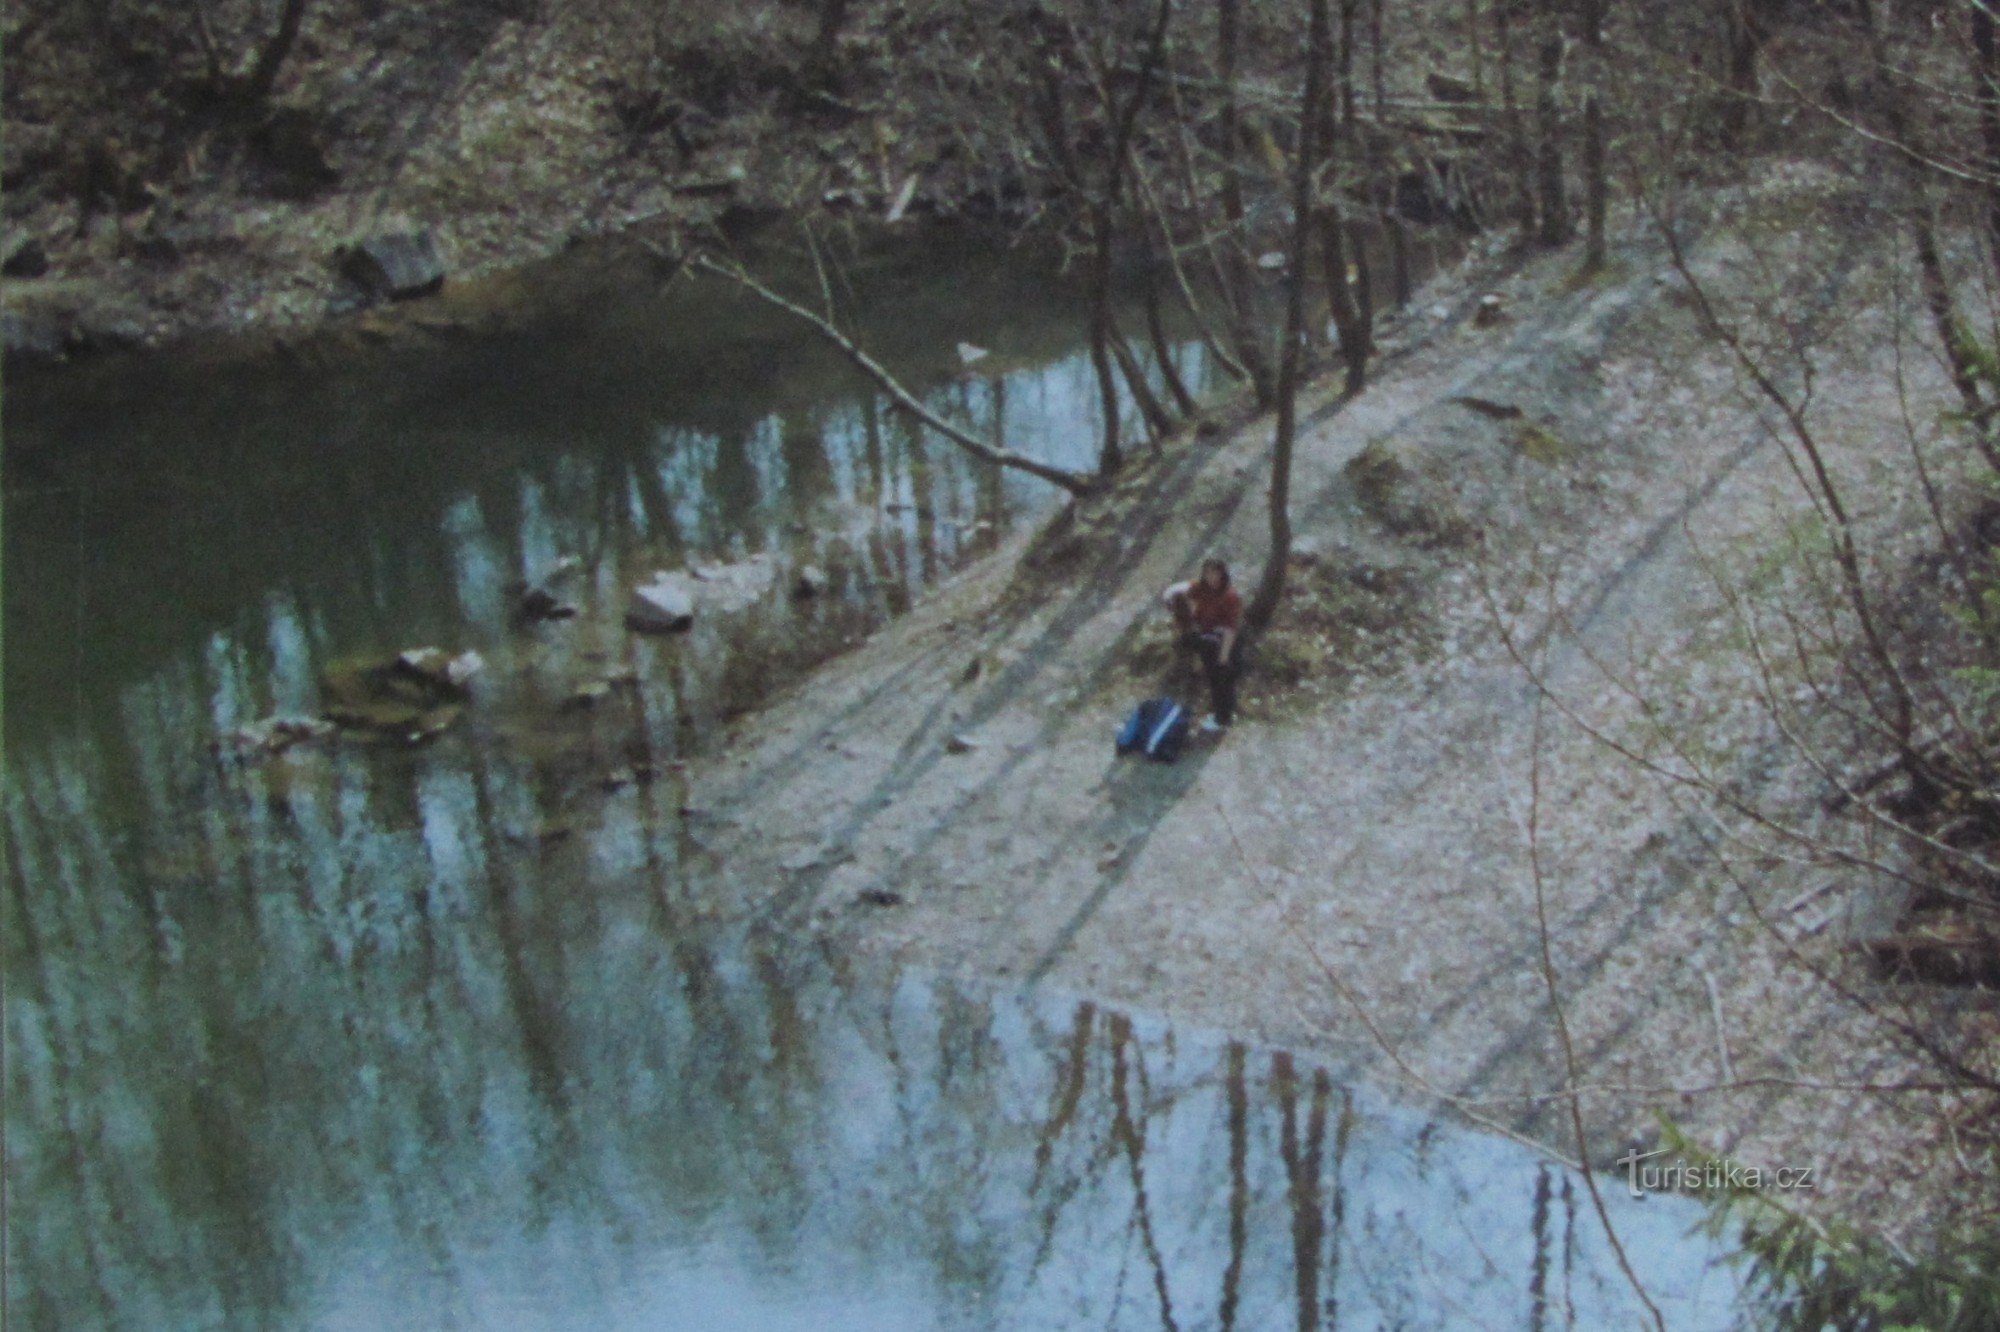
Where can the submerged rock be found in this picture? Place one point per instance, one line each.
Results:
(413, 697)
(537, 601)
(668, 603)
(274, 735)
(663, 606)
(733, 587)
(811, 582)
(587, 696)
(537, 604)
(451, 674)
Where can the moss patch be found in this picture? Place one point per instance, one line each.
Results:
(1390, 490)
(1540, 444)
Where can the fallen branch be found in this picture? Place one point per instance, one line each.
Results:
(1076, 483)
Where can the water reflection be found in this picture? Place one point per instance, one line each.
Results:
(326, 509)
(363, 1050)
(449, 1037)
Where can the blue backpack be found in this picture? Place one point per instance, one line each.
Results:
(1157, 728)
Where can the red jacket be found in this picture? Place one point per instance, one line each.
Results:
(1211, 609)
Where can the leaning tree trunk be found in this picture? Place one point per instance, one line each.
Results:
(1074, 482)
(1106, 343)
(1160, 419)
(1163, 347)
(1271, 585)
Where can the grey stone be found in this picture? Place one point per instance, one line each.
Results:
(663, 606)
(398, 265)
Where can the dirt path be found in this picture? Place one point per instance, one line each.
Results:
(1373, 849)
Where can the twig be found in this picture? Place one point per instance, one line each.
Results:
(1721, 1034)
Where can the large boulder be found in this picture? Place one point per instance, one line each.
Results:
(667, 604)
(396, 265)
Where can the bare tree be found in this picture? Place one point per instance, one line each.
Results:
(1271, 584)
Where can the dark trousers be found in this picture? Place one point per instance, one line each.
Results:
(1221, 674)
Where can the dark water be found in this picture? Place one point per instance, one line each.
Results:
(369, 1037)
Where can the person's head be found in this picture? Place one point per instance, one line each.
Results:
(1214, 573)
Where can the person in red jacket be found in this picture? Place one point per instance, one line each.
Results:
(1208, 614)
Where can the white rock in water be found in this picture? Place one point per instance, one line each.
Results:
(427, 661)
(733, 587)
(1271, 261)
(463, 667)
(967, 353)
(663, 606)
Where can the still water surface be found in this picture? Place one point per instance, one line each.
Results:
(446, 1037)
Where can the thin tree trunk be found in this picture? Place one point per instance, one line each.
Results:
(1250, 349)
(1163, 349)
(1988, 97)
(1936, 284)
(1110, 453)
(1951, 331)
(1595, 185)
(1341, 305)
(1518, 169)
(1271, 586)
(1478, 50)
(1556, 227)
(264, 73)
(1159, 420)
(1103, 331)
(1224, 357)
(823, 62)
(1743, 37)
(1380, 187)
(1355, 251)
